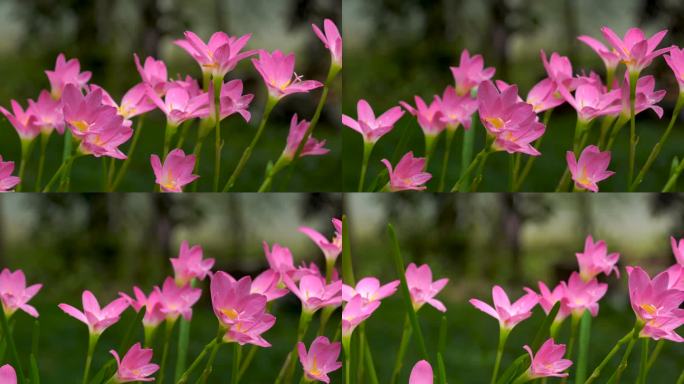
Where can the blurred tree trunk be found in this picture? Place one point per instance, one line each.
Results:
(150, 31)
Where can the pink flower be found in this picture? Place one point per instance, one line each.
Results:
(153, 309)
(153, 73)
(544, 96)
(430, 118)
(635, 50)
(408, 174)
(422, 288)
(219, 55)
(548, 298)
(24, 122)
(97, 320)
(368, 126)
(456, 110)
(87, 114)
(591, 168)
(277, 70)
(676, 277)
(595, 260)
(314, 293)
(191, 85)
(331, 248)
(675, 59)
(678, 249)
(249, 331)
(355, 312)
(312, 147)
(8, 375)
(135, 365)
(548, 361)
(65, 73)
(646, 96)
(190, 264)
(591, 100)
(321, 358)
(369, 289)
(509, 315)
(512, 122)
(134, 102)
(470, 73)
(559, 70)
(279, 259)
(267, 284)
(331, 38)
(232, 100)
(610, 58)
(176, 172)
(48, 113)
(177, 301)
(421, 373)
(655, 304)
(178, 105)
(15, 295)
(582, 294)
(7, 181)
(104, 140)
(233, 301)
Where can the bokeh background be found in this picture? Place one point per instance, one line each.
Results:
(396, 49)
(477, 240)
(104, 34)
(109, 242)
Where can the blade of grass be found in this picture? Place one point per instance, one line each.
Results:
(583, 353)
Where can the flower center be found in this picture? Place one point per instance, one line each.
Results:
(230, 313)
(649, 308)
(497, 122)
(80, 125)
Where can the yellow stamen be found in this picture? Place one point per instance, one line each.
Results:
(650, 308)
(497, 122)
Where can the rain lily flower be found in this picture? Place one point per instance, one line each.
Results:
(277, 70)
(559, 70)
(676, 277)
(509, 315)
(232, 100)
(190, 264)
(176, 172)
(175, 301)
(655, 304)
(314, 293)
(24, 122)
(66, 72)
(105, 139)
(249, 331)
(153, 308)
(332, 40)
(153, 73)
(675, 59)
(356, 312)
(178, 105)
(233, 301)
(190, 84)
(408, 174)
(678, 249)
(646, 97)
(591, 101)
(87, 114)
(134, 102)
(14, 293)
(219, 55)
(422, 288)
(430, 118)
(548, 298)
(370, 128)
(313, 147)
(279, 259)
(543, 96)
(595, 260)
(135, 366)
(97, 319)
(610, 58)
(548, 361)
(591, 168)
(48, 113)
(583, 294)
(456, 110)
(369, 289)
(470, 73)
(7, 181)
(635, 50)
(8, 375)
(331, 248)
(267, 284)
(320, 359)
(421, 373)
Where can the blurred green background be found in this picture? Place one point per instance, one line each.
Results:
(396, 49)
(109, 242)
(104, 34)
(514, 240)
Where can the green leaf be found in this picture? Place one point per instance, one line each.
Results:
(543, 331)
(441, 370)
(34, 373)
(518, 366)
(583, 353)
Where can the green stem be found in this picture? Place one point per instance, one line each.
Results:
(287, 369)
(643, 366)
(60, 171)
(615, 378)
(672, 181)
(656, 149)
(681, 378)
(218, 145)
(633, 79)
(165, 350)
(467, 147)
(616, 348)
(235, 372)
(367, 149)
(430, 144)
(403, 344)
(580, 136)
(124, 167)
(654, 355)
(13, 348)
(531, 159)
(44, 140)
(464, 176)
(270, 104)
(247, 360)
(574, 325)
(361, 353)
(346, 345)
(26, 149)
(503, 336)
(183, 341)
(66, 152)
(92, 343)
(169, 133)
(195, 364)
(210, 364)
(451, 132)
(282, 162)
(583, 354)
(615, 130)
(370, 366)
